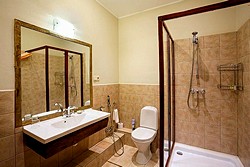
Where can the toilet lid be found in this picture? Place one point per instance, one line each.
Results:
(143, 133)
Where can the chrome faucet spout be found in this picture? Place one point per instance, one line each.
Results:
(60, 106)
(68, 112)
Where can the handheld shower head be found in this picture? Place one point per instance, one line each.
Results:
(195, 37)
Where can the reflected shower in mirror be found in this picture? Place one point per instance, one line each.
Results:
(52, 69)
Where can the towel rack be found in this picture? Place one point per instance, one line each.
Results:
(234, 73)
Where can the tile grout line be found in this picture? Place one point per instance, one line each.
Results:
(114, 163)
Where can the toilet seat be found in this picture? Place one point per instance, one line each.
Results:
(143, 134)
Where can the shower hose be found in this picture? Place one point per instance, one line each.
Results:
(110, 131)
(191, 81)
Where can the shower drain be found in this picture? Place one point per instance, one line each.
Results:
(179, 153)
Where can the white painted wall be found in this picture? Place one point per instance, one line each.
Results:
(242, 14)
(93, 24)
(215, 22)
(138, 37)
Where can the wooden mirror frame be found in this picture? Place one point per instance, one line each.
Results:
(17, 57)
(162, 26)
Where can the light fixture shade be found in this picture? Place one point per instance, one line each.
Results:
(63, 27)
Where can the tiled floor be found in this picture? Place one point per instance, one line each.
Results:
(128, 159)
(100, 153)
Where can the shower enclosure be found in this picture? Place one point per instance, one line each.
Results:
(52, 75)
(167, 72)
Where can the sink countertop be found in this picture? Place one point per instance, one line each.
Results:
(52, 129)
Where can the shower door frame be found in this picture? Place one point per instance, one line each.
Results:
(162, 26)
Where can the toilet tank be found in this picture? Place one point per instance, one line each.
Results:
(149, 117)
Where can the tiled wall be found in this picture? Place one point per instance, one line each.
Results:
(100, 93)
(7, 135)
(243, 43)
(213, 125)
(132, 98)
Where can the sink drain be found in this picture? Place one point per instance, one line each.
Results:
(179, 153)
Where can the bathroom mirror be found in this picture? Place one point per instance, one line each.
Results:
(49, 69)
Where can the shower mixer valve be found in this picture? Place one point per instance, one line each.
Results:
(198, 91)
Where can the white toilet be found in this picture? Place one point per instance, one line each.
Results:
(145, 134)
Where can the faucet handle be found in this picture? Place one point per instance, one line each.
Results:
(101, 108)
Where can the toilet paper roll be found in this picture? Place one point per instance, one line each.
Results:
(120, 125)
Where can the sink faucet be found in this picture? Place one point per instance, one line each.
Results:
(68, 111)
(60, 106)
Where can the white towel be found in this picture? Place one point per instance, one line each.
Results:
(115, 116)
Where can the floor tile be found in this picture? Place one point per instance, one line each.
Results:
(127, 159)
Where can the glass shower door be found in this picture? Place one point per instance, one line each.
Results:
(167, 96)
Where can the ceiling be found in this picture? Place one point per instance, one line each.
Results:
(123, 8)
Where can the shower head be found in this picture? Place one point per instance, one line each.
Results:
(195, 37)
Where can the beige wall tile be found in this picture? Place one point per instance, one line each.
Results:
(28, 159)
(197, 140)
(197, 116)
(7, 125)
(184, 44)
(229, 146)
(8, 163)
(212, 41)
(211, 66)
(182, 137)
(228, 53)
(7, 145)
(19, 159)
(182, 115)
(228, 39)
(20, 146)
(213, 143)
(213, 130)
(211, 54)
(183, 56)
(196, 128)
(6, 102)
(213, 119)
(229, 133)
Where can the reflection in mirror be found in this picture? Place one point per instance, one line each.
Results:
(52, 69)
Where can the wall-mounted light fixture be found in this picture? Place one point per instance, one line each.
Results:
(63, 27)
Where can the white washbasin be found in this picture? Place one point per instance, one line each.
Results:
(52, 129)
(72, 121)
